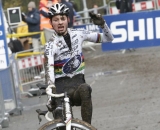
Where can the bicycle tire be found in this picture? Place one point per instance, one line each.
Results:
(76, 124)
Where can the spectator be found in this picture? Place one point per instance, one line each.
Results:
(74, 5)
(124, 5)
(15, 45)
(43, 8)
(33, 20)
(71, 13)
(76, 15)
(95, 9)
(23, 28)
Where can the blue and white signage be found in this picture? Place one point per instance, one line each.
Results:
(4, 60)
(134, 30)
(131, 30)
(90, 27)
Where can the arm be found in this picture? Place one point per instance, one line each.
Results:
(49, 64)
(45, 14)
(95, 37)
(106, 35)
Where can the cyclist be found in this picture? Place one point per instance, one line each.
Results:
(64, 60)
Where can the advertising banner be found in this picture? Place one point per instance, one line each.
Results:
(4, 60)
(134, 30)
(131, 30)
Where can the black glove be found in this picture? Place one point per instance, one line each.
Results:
(97, 19)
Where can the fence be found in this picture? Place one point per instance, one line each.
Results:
(136, 6)
(86, 20)
(4, 120)
(112, 9)
(30, 68)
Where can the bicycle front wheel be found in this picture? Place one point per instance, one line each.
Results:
(76, 124)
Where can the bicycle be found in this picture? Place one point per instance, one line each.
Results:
(68, 122)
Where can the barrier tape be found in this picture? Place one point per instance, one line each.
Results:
(17, 35)
(24, 54)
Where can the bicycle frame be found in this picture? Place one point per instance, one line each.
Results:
(67, 107)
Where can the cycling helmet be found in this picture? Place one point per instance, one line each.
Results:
(58, 8)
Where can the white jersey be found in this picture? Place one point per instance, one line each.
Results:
(60, 61)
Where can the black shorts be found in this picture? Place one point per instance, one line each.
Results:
(76, 89)
(64, 83)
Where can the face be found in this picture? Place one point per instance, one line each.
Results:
(29, 9)
(60, 24)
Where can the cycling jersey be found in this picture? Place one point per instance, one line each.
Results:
(60, 61)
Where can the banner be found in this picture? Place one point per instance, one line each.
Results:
(4, 60)
(131, 30)
(134, 30)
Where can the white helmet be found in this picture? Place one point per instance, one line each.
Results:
(58, 8)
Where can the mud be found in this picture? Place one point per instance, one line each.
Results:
(125, 92)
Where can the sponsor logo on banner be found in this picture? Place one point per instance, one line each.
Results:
(2, 50)
(133, 30)
(147, 29)
(89, 27)
(0, 20)
(4, 60)
(3, 63)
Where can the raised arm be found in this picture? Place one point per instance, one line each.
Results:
(98, 20)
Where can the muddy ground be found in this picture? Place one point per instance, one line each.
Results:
(125, 92)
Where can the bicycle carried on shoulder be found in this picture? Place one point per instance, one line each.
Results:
(68, 122)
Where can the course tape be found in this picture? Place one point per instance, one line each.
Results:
(17, 35)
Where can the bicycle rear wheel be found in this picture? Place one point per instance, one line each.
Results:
(76, 124)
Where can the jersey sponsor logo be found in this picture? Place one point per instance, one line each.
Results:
(63, 47)
(75, 47)
(86, 32)
(75, 42)
(72, 64)
(74, 36)
(59, 43)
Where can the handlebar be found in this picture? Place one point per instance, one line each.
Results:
(49, 92)
(66, 99)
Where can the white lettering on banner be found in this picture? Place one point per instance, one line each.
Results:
(1, 33)
(0, 20)
(157, 22)
(125, 29)
(92, 27)
(3, 62)
(2, 50)
(150, 32)
(140, 32)
(119, 31)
